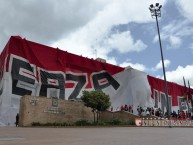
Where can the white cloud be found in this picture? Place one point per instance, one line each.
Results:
(185, 30)
(174, 32)
(185, 7)
(178, 28)
(175, 41)
(112, 60)
(78, 26)
(159, 65)
(45, 21)
(97, 34)
(137, 66)
(123, 42)
(177, 75)
(191, 46)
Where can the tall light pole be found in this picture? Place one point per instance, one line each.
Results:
(156, 12)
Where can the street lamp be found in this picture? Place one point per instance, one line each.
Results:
(156, 12)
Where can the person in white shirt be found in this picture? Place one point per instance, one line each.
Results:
(143, 113)
(147, 112)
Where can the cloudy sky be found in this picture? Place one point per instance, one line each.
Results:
(120, 31)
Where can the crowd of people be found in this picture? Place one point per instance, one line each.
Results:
(144, 112)
(125, 107)
(128, 108)
(181, 114)
(151, 111)
(159, 113)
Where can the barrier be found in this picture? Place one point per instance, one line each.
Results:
(163, 122)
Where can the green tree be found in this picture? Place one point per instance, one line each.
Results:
(97, 100)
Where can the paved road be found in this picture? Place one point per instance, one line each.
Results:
(96, 136)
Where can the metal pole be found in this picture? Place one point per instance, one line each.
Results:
(163, 66)
(156, 11)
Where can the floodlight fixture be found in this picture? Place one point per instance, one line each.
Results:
(155, 10)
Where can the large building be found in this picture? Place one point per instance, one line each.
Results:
(29, 68)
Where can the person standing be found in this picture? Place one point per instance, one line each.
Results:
(17, 120)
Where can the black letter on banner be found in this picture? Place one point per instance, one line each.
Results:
(1, 80)
(18, 64)
(45, 76)
(1, 89)
(104, 75)
(156, 98)
(164, 102)
(81, 79)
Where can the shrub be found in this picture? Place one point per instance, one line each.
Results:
(132, 123)
(36, 124)
(85, 123)
(82, 123)
(116, 122)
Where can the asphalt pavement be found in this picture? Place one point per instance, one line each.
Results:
(96, 136)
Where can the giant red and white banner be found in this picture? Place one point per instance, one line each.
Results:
(29, 68)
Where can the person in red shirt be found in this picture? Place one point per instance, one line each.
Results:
(182, 115)
(126, 108)
(130, 108)
(122, 108)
